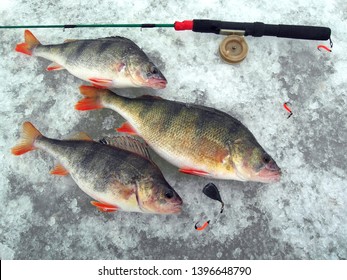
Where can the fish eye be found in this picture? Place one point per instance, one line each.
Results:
(152, 70)
(169, 194)
(266, 158)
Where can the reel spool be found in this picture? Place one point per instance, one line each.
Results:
(233, 49)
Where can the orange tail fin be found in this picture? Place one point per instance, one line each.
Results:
(92, 100)
(30, 43)
(26, 142)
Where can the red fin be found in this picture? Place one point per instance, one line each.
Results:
(90, 91)
(59, 170)
(23, 48)
(30, 43)
(104, 207)
(127, 128)
(101, 82)
(100, 87)
(92, 98)
(87, 104)
(54, 67)
(26, 142)
(193, 172)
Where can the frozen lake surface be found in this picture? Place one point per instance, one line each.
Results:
(304, 216)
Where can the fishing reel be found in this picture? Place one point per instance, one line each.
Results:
(233, 49)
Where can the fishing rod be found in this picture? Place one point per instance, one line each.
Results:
(233, 48)
(256, 29)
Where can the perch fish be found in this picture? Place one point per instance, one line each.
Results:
(114, 62)
(198, 140)
(116, 177)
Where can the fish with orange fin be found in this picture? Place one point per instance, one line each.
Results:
(198, 140)
(113, 62)
(118, 176)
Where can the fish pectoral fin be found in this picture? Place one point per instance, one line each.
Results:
(98, 86)
(101, 82)
(104, 207)
(193, 172)
(59, 170)
(127, 128)
(54, 67)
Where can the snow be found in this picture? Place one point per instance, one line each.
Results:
(301, 217)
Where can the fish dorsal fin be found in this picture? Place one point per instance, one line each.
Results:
(129, 144)
(70, 40)
(81, 136)
(147, 96)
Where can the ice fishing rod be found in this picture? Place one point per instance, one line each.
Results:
(256, 29)
(234, 48)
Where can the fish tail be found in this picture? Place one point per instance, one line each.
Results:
(30, 43)
(26, 142)
(92, 99)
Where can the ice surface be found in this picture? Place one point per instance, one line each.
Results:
(302, 217)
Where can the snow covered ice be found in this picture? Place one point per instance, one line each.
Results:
(301, 217)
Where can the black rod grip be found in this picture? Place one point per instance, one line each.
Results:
(258, 29)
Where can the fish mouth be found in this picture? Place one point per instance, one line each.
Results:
(176, 208)
(156, 83)
(270, 175)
